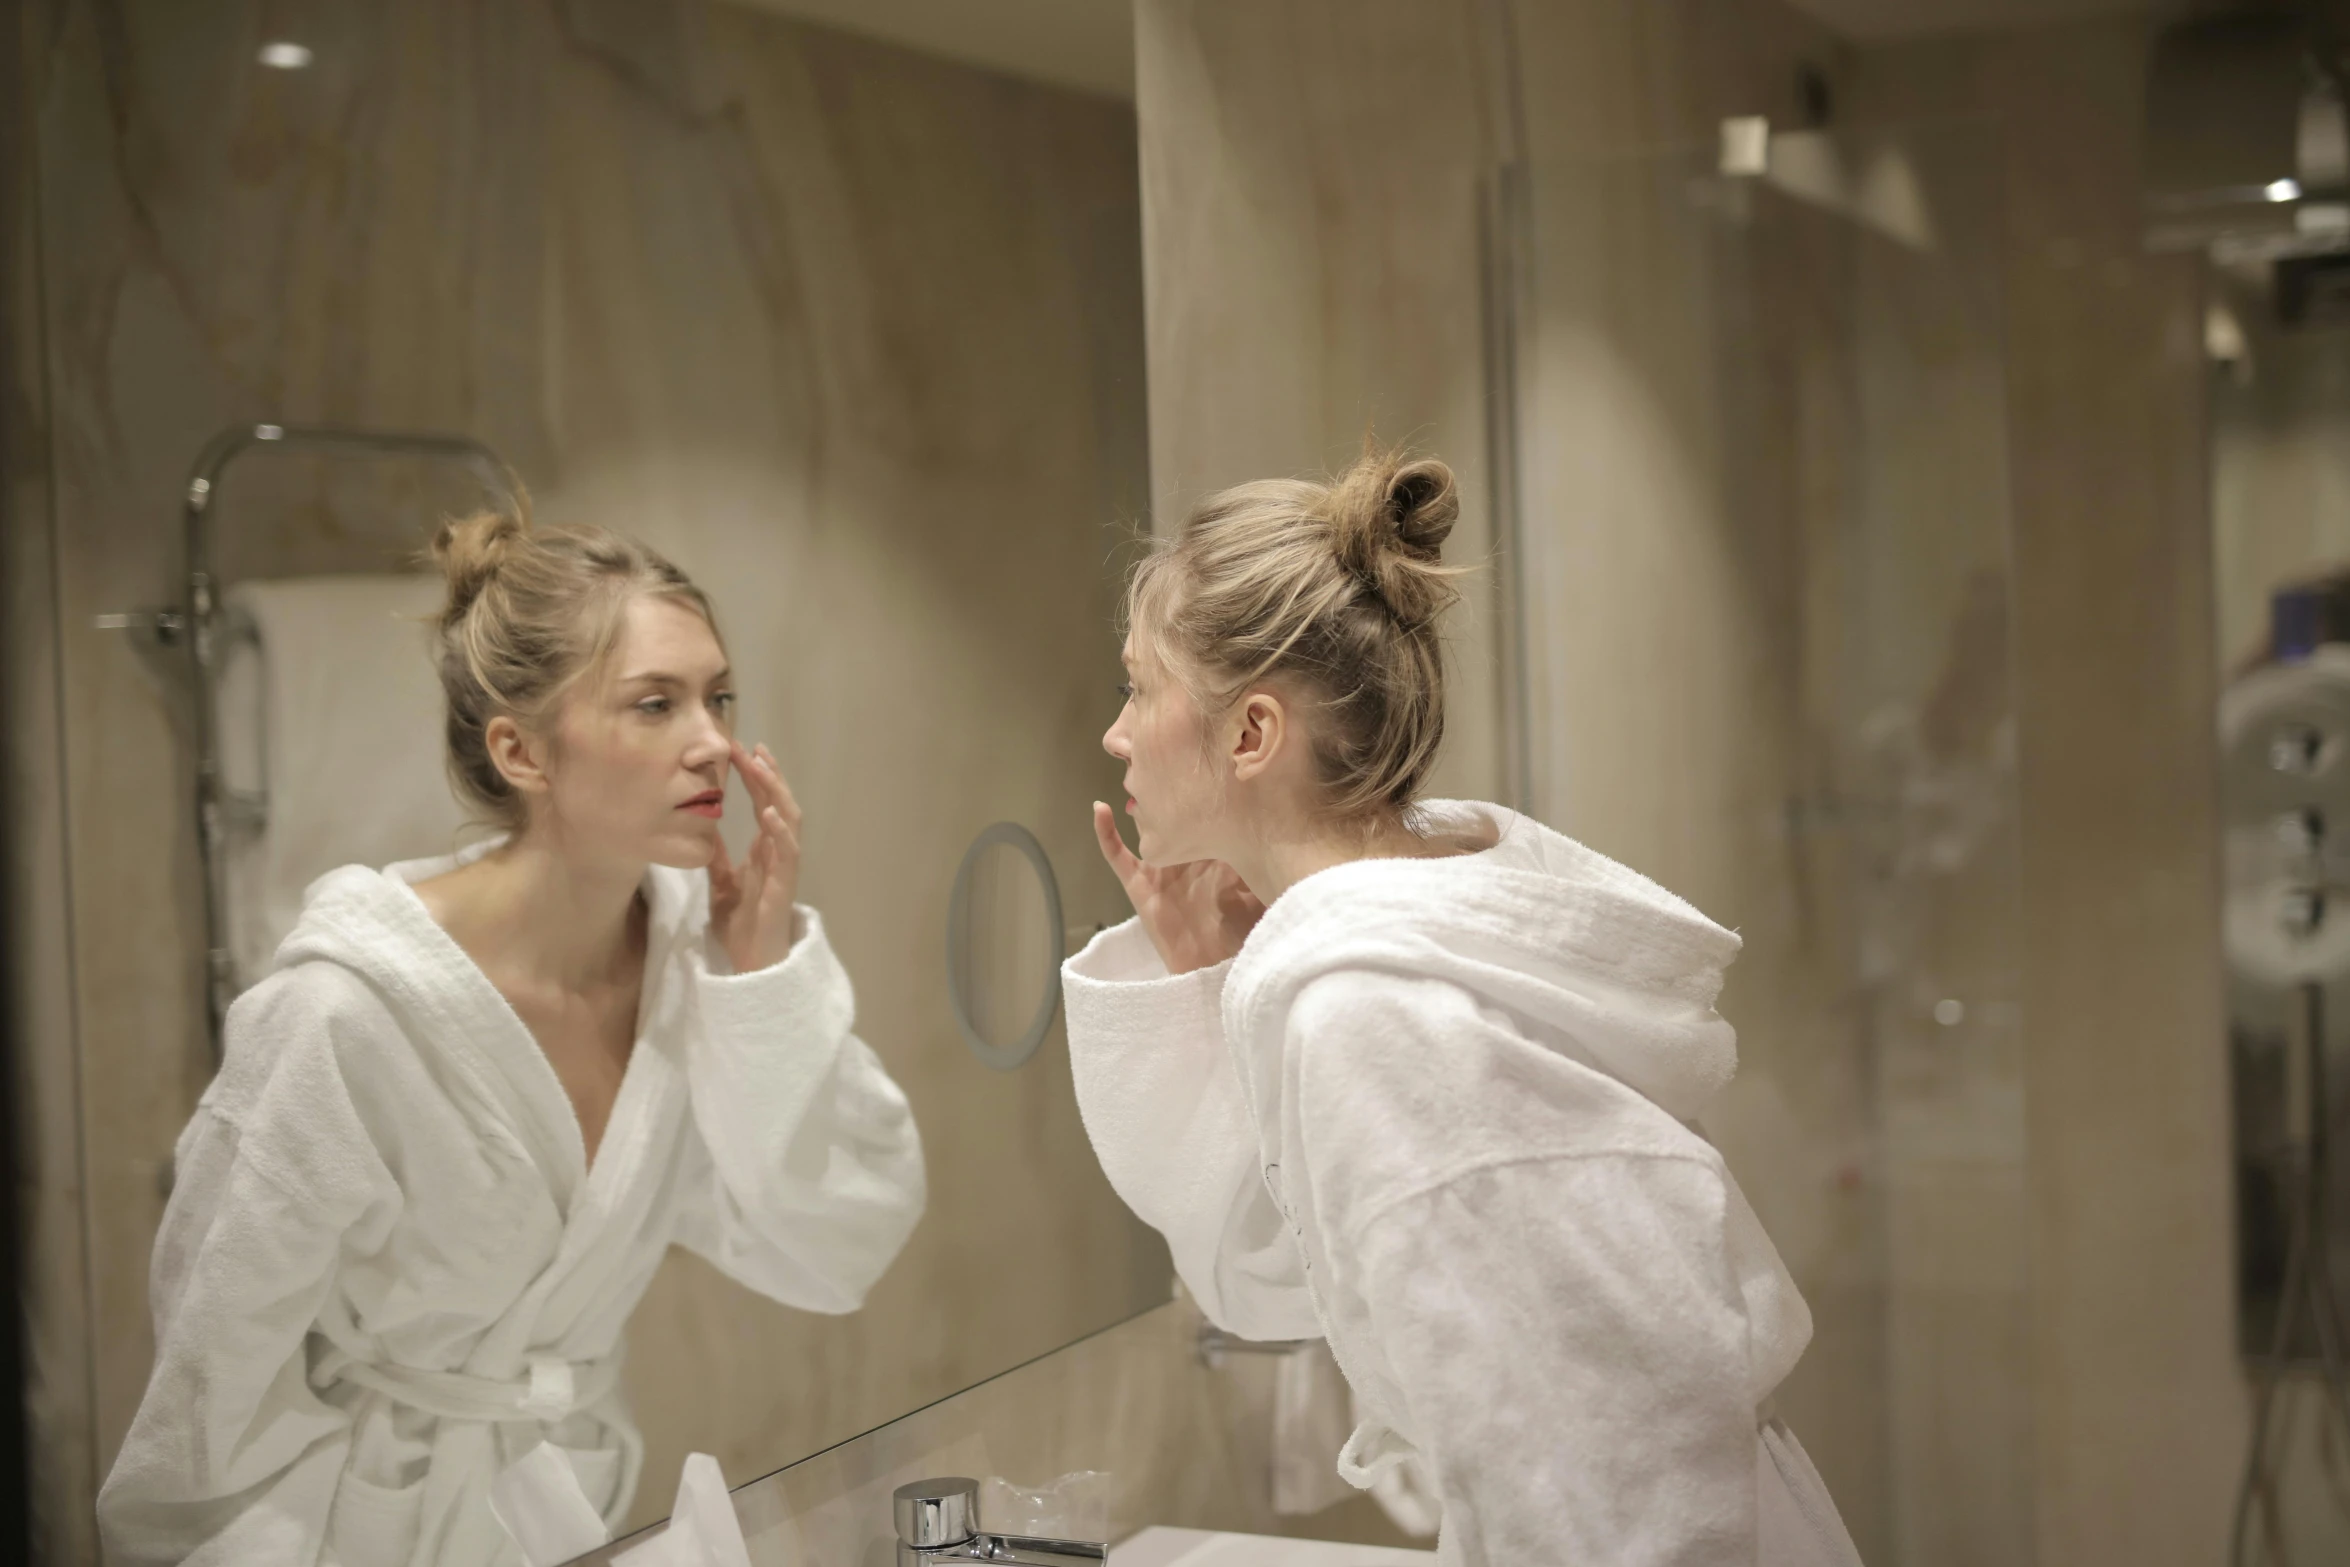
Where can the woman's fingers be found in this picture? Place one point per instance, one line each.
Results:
(1114, 850)
(785, 800)
(724, 888)
(776, 836)
(764, 779)
(754, 777)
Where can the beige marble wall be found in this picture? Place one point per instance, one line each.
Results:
(855, 334)
(1183, 1445)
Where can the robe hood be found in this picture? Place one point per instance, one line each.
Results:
(1611, 967)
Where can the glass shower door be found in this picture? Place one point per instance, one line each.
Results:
(1763, 580)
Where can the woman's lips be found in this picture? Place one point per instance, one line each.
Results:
(712, 805)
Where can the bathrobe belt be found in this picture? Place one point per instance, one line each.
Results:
(550, 1390)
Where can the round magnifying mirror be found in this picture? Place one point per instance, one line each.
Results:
(1004, 946)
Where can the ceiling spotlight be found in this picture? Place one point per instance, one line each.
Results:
(2283, 190)
(283, 56)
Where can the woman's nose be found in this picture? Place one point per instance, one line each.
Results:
(710, 742)
(1114, 739)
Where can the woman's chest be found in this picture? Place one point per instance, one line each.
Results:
(588, 1038)
(493, 1217)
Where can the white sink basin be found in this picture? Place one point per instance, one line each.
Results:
(1204, 1548)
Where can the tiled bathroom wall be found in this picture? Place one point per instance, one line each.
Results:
(853, 333)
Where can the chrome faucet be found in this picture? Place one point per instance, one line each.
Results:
(938, 1521)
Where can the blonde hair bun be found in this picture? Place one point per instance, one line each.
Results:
(1389, 519)
(469, 551)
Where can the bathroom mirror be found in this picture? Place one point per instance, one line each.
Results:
(1004, 946)
(850, 330)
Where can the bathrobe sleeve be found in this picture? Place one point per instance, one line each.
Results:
(1163, 1105)
(811, 1175)
(1559, 1312)
(231, 1457)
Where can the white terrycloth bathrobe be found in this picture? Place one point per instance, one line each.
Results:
(1436, 1111)
(386, 1271)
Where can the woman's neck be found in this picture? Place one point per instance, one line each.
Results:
(1284, 854)
(532, 910)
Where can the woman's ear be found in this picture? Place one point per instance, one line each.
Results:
(517, 754)
(1260, 733)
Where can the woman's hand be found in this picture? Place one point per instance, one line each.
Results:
(751, 903)
(1197, 915)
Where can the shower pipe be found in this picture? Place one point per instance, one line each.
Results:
(197, 625)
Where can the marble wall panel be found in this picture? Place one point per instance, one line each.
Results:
(854, 334)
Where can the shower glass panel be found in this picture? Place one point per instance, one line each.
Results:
(1763, 580)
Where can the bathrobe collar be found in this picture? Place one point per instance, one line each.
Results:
(1537, 924)
(372, 923)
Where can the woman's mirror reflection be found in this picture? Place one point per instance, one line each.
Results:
(477, 1098)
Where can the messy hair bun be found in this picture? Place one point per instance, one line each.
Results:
(1388, 522)
(1339, 585)
(528, 613)
(469, 551)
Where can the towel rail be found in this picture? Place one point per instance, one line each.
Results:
(197, 625)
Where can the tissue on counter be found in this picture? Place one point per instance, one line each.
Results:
(703, 1530)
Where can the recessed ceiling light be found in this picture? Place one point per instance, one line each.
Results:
(282, 56)
(2283, 190)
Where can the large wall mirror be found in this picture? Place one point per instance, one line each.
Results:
(848, 326)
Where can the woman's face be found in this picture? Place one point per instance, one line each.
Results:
(1172, 789)
(636, 764)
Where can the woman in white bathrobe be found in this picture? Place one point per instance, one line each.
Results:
(1420, 1077)
(476, 1100)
